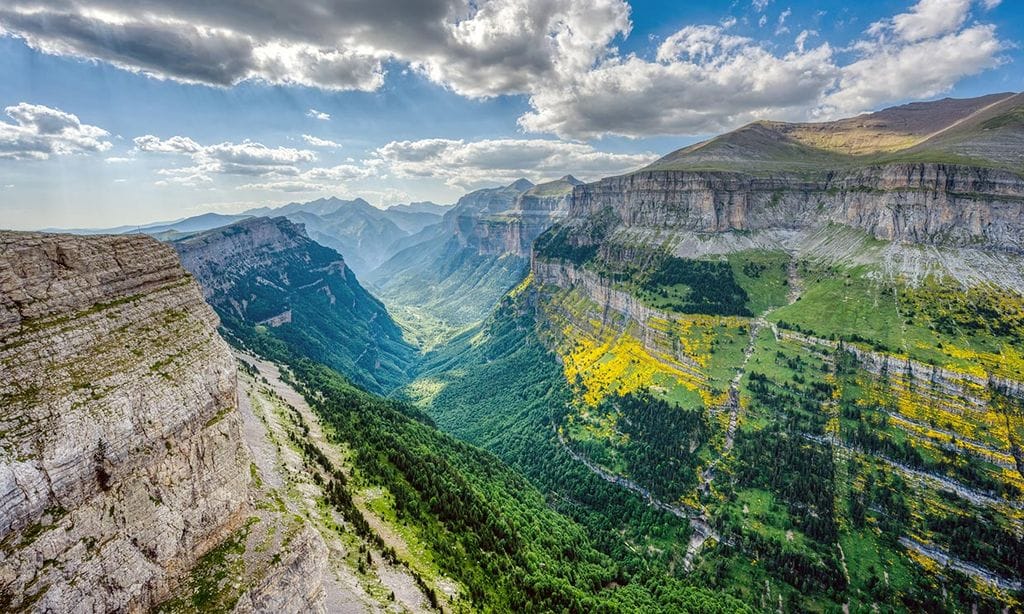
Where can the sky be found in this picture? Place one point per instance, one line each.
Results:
(131, 111)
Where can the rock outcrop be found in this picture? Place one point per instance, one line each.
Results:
(267, 271)
(919, 203)
(513, 230)
(125, 472)
(122, 457)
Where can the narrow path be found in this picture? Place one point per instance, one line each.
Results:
(732, 404)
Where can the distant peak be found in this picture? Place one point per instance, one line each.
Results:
(522, 184)
(571, 180)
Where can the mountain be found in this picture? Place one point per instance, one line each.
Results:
(187, 225)
(514, 230)
(358, 228)
(125, 470)
(269, 281)
(415, 217)
(939, 132)
(197, 223)
(320, 206)
(365, 234)
(446, 277)
(802, 338)
(420, 207)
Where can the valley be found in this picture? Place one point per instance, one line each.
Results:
(779, 370)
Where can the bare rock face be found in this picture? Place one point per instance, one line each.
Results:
(513, 229)
(121, 454)
(918, 203)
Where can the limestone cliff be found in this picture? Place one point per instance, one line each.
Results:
(268, 272)
(122, 457)
(920, 203)
(513, 229)
(125, 473)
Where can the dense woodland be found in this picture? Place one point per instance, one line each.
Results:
(513, 548)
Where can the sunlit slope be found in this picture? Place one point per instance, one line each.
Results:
(984, 131)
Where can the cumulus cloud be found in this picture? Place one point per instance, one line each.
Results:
(483, 48)
(314, 141)
(917, 54)
(39, 132)
(705, 79)
(561, 54)
(467, 164)
(926, 19)
(245, 158)
(315, 179)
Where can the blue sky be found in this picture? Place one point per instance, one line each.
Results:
(121, 112)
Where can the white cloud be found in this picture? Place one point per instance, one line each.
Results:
(781, 27)
(318, 142)
(926, 19)
(245, 158)
(387, 197)
(175, 144)
(560, 53)
(284, 186)
(705, 80)
(516, 46)
(467, 164)
(39, 132)
(481, 48)
(801, 39)
(991, 4)
(888, 72)
(314, 179)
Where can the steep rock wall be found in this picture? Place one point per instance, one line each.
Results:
(121, 453)
(920, 203)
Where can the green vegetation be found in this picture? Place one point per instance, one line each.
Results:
(576, 244)
(695, 286)
(763, 275)
(438, 290)
(484, 525)
(332, 318)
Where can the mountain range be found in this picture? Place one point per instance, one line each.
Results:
(778, 370)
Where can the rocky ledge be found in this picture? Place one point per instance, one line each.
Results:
(122, 459)
(917, 203)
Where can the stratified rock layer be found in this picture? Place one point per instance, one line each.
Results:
(919, 203)
(121, 453)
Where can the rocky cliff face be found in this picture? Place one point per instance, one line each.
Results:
(266, 271)
(920, 203)
(514, 229)
(122, 457)
(126, 475)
